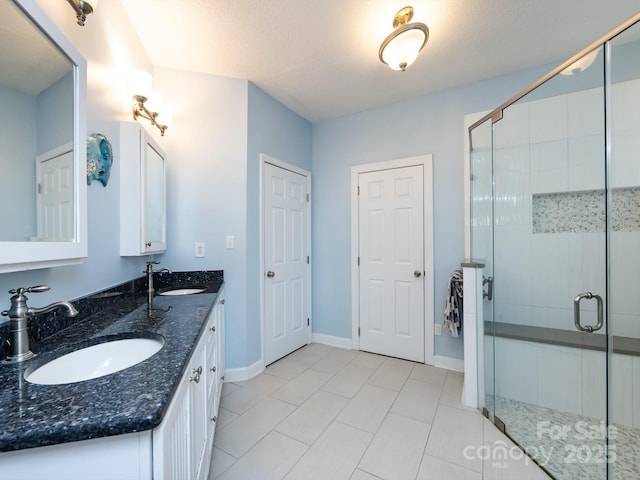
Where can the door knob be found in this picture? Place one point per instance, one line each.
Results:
(271, 274)
(417, 273)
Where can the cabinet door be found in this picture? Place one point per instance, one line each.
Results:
(171, 440)
(198, 407)
(220, 340)
(142, 192)
(153, 201)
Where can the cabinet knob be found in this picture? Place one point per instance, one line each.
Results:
(147, 244)
(213, 329)
(196, 374)
(213, 369)
(222, 302)
(214, 419)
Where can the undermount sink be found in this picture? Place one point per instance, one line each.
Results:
(95, 361)
(183, 291)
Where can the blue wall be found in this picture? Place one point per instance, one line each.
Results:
(430, 124)
(278, 132)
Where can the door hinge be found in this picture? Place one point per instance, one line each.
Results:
(358, 189)
(307, 259)
(308, 322)
(358, 331)
(358, 261)
(39, 188)
(307, 197)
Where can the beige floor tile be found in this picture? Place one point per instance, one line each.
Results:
(220, 461)
(417, 400)
(349, 380)
(396, 449)
(245, 431)
(455, 436)
(334, 455)
(452, 390)
(428, 374)
(270, 459)
(308, 422)
(368, 408)
(296, 391)
(251, 392)
(224, 417)
(360, 475)
(286, 368)
(366, 359)
(228, 387)
(391, 374)
(433, 468)
(335, 360)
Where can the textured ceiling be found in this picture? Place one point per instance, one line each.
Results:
(320, 57)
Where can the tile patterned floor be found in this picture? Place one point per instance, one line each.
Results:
(328, 413)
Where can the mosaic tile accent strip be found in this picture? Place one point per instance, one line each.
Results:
(579, 212)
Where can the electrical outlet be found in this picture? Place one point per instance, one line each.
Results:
(199, 249)
(437, 328)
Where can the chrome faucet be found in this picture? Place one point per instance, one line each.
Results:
(150, 271)
(19, 315)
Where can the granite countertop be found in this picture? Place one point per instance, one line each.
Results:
(128, 401)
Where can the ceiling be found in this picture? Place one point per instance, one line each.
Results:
(320, 57)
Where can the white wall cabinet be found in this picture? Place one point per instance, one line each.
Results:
(142, 164)
(179, 448)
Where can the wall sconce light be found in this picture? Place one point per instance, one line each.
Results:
(82, 9)
(401, 47)
(148, 103)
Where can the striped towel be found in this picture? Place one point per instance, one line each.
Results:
(453, 304)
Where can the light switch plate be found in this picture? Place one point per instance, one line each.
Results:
(229, 241)
(199, 249)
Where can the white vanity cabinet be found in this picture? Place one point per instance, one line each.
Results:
(183, 443)
(142, 164)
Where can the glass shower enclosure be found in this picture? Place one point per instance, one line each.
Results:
(555, 215)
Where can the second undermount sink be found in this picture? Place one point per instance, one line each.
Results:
(183, 291)
(95, 361)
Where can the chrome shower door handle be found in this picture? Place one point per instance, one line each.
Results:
(576, 312)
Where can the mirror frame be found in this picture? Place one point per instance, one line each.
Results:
(18, 256)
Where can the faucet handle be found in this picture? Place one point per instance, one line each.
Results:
(36, 289)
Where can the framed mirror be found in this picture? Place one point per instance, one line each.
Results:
(43, 138)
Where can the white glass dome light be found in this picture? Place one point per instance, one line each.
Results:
(400, 49)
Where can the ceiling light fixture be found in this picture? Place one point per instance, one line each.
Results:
(146, 102)
(581, 64)
(401, 47)
(82, 9)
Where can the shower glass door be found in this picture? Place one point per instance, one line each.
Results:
(623, 114)
(550, 272)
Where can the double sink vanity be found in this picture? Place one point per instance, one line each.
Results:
(123, 383)
(152, 419)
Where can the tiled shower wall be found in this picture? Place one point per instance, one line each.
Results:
(549, 176)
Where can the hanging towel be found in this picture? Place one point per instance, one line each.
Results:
(453, 304)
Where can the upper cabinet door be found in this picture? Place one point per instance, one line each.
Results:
(43, 188)
(142, 193)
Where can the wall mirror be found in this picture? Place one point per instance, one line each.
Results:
(43, 135)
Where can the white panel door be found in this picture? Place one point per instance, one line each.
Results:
(391, 254)
(55, 198)
(285, 262)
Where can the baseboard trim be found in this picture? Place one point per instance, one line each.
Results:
(332, 341)
(455, 364)
(242, 374)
